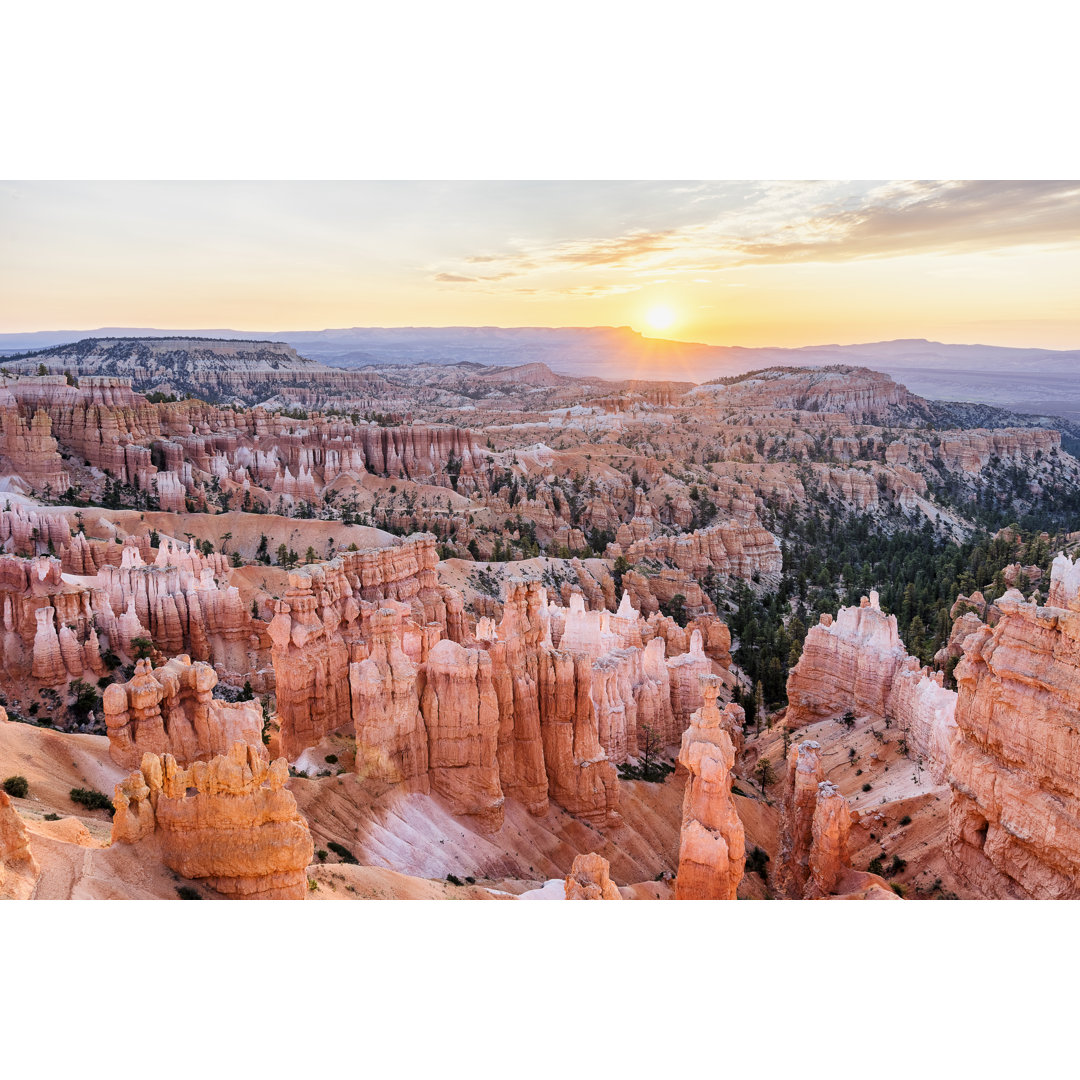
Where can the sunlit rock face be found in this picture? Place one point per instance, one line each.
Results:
(172, 710)
(590, 879)
(18, 868)
(229, 822)
(1014, 821)
(712, 843)
(857, 662)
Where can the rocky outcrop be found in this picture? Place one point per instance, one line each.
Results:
(632, 700)
(963, 627)
(684, 672)
(857, 662)
(859, 393)
(846, 663)
(58, 626)
(581, 777)
(391, 739)
(461, 713)
(590, 879)
(311, 667)
(325, 622)
(712, 852)
(829, 860)
(188, 450)
(801, 781)
(1014, 820)
(18, 868)
(420, 703)
(29, 452)
(229, 823)
(739, 548)
(172, 710)
(815, 823)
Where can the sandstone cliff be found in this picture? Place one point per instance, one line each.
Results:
(857, 662)
(1014, 822)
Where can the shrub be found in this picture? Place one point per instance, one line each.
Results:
(897, 866)
(866, 787)
(186, 892)
(142, 647)
(898, 889)
(91, 799)
(331, 759)
(52, 817)
(906, 819)
(454, 879)
(656, 772)
(321, 855)
(342, 852)
(875, 866)
(16, 786)
(848, 719)
(756, 860)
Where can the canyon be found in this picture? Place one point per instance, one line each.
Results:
(451, 631)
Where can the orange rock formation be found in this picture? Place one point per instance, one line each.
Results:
(857, 662)
(815, 824)
(240, 832)
(590, 879)
(172, 710)
(1014, 821)
(18, 867)
(712, 851)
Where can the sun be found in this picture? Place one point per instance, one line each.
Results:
(660, 317)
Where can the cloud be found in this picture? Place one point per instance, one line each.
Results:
(798, 222)
(909, 217)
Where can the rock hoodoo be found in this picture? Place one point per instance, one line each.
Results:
(229, 823)
(712, 852)
(857, 662)
(172, 710)
(590, 879)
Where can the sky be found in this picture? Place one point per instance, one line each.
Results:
(727, 263)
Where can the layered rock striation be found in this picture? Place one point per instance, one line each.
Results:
(712, 852)
(815, 824)
(19, 870)
(229, 823)
(1014, 820)
(172, 710)
(857, 662)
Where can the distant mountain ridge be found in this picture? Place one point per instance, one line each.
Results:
(1032, 380)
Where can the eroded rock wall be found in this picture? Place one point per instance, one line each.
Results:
(1014, 822)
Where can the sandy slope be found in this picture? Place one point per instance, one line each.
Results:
(246, 529)
(899, 787)
(408, 844)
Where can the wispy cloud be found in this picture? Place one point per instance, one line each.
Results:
(804, 221)
(929, 216)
